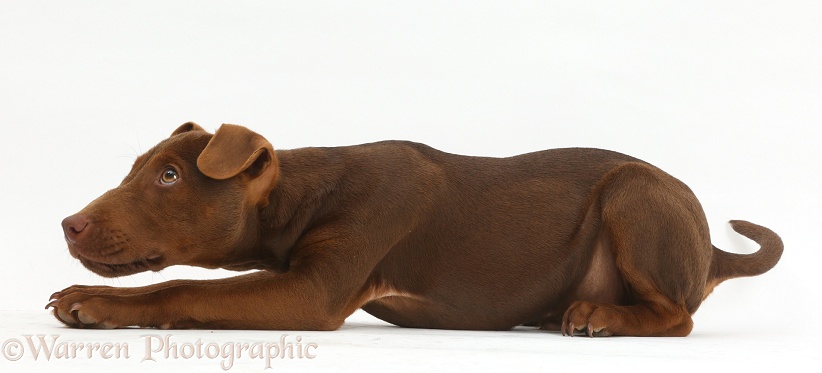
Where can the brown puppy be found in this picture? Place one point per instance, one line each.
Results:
(577, 240)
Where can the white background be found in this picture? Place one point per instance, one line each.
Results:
(727, 96)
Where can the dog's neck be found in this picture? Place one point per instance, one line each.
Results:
(303, 194)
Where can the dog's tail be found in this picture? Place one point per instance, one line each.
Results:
(725, 265)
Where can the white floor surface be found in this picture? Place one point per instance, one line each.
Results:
(367, 344)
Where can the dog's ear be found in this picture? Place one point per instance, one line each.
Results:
(236, 150)
(188, 126)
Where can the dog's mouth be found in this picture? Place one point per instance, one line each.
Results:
(153, 262)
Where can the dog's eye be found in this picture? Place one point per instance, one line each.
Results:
(169, 177)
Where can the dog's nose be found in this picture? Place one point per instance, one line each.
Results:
(75, 227)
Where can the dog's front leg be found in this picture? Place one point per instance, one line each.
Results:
(260, 300)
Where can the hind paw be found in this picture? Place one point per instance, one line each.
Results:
(587, 318)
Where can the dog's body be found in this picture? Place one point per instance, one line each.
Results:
(569, 239)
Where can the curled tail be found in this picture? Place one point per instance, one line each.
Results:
(725, 265)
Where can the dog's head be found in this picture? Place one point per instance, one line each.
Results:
(191, 200)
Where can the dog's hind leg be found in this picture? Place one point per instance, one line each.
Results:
(658, 235)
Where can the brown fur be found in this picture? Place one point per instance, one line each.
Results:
(575, 240)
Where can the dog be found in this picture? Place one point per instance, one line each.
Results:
(576, 241)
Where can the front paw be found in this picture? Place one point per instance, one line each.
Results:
(96, 307)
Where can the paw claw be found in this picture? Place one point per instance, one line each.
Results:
(52, 303)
